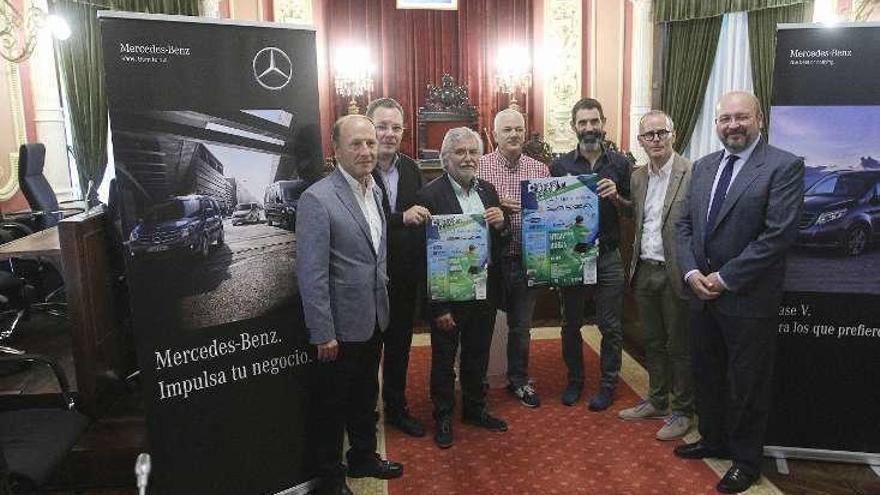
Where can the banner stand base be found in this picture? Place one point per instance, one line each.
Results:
(782, 454)
(300, 489)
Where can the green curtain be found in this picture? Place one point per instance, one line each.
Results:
(180, 7)
(78, 58)
(82, 75)
(762, 47)
(687, 64)
(687, 10)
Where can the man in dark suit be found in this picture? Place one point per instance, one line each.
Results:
(340, 267)
(455, 192)
(741, 217)
(399, 178)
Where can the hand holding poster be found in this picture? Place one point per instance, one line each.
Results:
(458, 255)
(560, 228)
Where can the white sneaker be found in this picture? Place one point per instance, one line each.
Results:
(676, 427)
(642, 410)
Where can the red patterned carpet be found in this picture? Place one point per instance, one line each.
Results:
(553, 449)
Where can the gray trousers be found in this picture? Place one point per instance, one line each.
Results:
(609, 312)
(666, 321)
(520, 309)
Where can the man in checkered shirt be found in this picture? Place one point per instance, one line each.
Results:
(504, 168)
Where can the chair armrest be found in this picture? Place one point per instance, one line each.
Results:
(63, 383)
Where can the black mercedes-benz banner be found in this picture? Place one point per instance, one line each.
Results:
(215, 133)
(826, 108)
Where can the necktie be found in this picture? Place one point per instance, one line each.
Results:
(720, 194)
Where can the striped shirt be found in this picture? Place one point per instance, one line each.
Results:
(506, 177)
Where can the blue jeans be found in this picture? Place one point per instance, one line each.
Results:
(609, 309)
(520, 301)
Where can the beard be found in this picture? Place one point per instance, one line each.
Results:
(736, 146)
(591, 140)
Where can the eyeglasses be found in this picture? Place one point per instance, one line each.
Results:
(658, 134)
(739, 118)
(396, 129)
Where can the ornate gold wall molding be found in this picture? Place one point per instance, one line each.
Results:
(563, 39)
(293, 11)
(9, 174)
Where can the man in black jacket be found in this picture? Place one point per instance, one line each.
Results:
(455, 192)
(399, 178)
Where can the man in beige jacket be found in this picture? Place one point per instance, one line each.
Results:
(658, 193)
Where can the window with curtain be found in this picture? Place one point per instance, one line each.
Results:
(731, 71)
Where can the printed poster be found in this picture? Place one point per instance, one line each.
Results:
(458, 257)
(560, 230)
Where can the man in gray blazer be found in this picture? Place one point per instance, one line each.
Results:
(658, 193)
(741, 217)
(341, 273)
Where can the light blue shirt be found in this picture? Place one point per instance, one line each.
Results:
(390, 179)
(469, 200)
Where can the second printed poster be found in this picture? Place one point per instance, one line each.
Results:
(560, 229)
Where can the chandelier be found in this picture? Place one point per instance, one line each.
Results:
(353, 75)
(514, 74)
(19, 32)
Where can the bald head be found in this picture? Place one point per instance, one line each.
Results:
(738, 120)
(354, 144)
(345, 120)
(510, 133)
(740, 97)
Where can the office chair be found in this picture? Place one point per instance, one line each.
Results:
(35, 187)
(45, 213)
(12, 303)
(34, 440)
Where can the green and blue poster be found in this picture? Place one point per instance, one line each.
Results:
(458, 256)
(560, 228)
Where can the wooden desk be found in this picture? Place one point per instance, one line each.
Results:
(77, 248)
(42, 245)
(88, 285)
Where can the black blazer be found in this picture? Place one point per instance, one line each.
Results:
(439, 198)
(403, 240)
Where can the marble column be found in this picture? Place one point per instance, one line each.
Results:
(49, 116)
(642, 59)
(561, 65)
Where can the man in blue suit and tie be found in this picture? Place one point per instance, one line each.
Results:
(340, 264)
(741, 216)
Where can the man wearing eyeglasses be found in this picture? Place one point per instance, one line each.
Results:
(400, 179)
(591, 157)
(658, 190)
(743, 205)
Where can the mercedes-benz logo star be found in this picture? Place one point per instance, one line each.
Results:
(272, 68)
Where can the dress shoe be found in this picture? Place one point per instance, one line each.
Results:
(404, 422)
(374, 467)
(601, 400)
(443, 432)
(736, 480)
(700, 450)
(572, 393)
(484, 420)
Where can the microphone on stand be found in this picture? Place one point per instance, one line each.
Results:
(142, 472)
